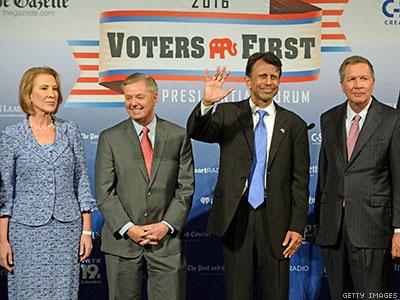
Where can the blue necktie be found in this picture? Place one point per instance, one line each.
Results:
(256, 189)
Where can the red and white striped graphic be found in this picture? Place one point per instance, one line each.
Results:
(86, 88)
(333, 38)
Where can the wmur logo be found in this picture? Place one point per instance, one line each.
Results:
(391, 9)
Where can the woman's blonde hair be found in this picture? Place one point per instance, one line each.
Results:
(26, 86)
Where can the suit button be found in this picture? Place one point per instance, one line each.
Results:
(145, 214)
(148, 193)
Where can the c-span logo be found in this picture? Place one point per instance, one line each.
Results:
(391, 10)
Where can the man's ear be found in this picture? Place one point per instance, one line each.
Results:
(155, 98)
(248, 82)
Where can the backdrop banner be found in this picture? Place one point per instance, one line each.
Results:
(95, 44)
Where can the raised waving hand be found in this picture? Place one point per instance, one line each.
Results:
(213, 91)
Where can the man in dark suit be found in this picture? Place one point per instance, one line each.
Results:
(261, 197)
(144, 184)
(358, 194)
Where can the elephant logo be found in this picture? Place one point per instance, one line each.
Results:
(219, 46)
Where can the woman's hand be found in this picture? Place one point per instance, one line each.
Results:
(6, 256)
(85, 247)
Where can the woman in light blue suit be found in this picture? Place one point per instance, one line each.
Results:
(45, 199)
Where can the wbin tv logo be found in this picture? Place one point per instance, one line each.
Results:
(391, 9)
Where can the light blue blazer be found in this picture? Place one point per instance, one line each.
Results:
(35, 184)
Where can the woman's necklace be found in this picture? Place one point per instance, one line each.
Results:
(36, 128)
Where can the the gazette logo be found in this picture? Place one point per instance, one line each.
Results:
(34, 4)
(391, 10)
(32, 8)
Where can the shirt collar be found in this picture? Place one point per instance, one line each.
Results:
(270, 109)
(363, 114)
(151, 126)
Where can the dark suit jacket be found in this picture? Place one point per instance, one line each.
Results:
(369, 182)
(231, 126)
(125, 193)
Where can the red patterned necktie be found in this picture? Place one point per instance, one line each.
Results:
(147, 149)
(353, 135)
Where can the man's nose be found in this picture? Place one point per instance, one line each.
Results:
(357, 83)
(133, 102)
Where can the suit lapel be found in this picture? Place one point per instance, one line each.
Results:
(61, 142)
(30, 141)
(134, 147)
(246, 120)
(278, 133)
(158, 148)
(340, 125)
(371, 123)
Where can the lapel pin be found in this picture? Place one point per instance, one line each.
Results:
(282, 130)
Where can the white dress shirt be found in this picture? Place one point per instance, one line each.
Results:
(350, 114)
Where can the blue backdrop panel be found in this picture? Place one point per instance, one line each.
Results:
(72, 37)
